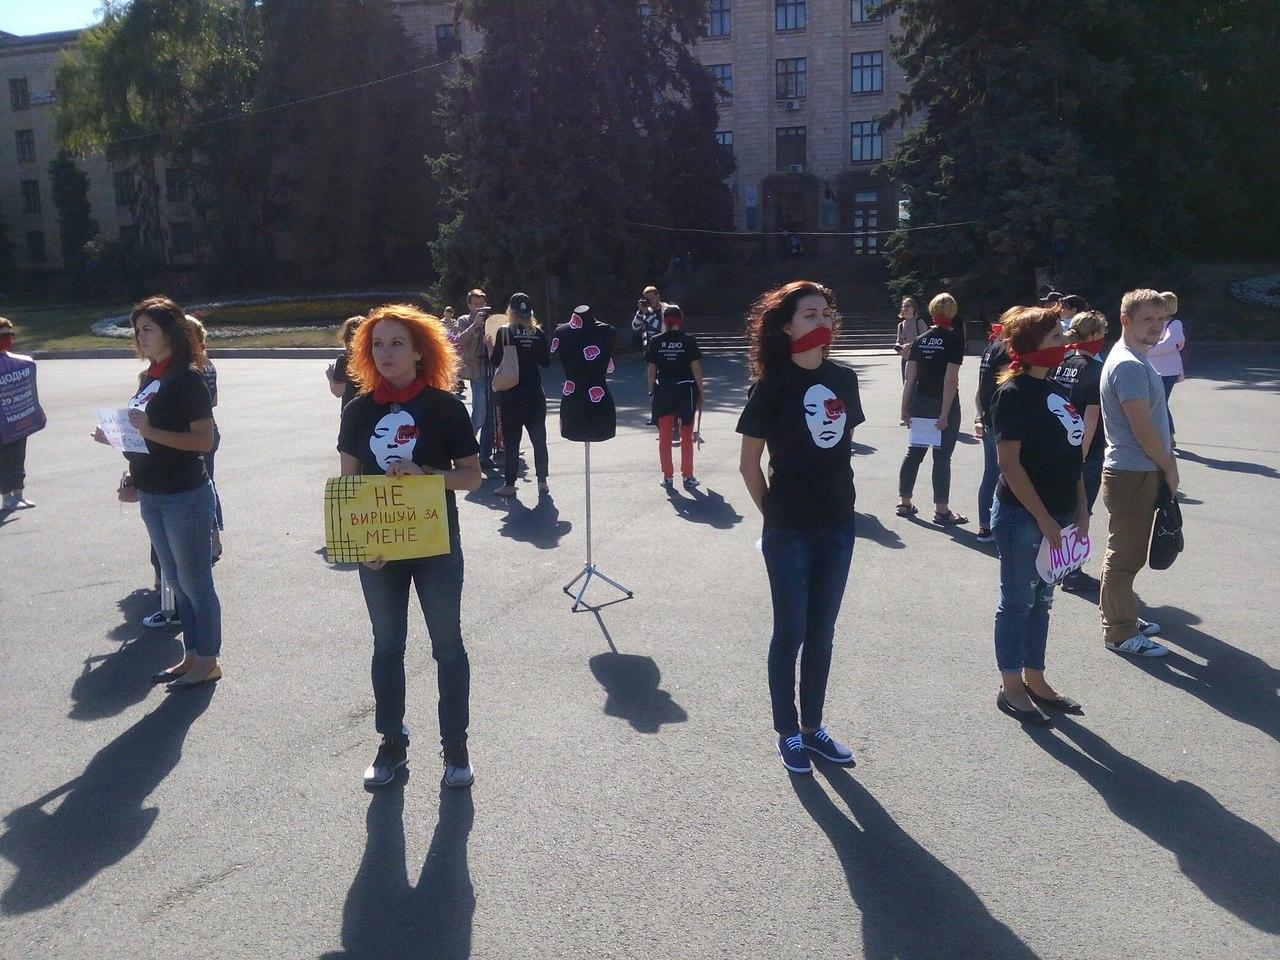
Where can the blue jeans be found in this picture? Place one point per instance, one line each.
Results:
(438, 581)
(1022, 618)
(990, 477)
(208, 468)
(482, 415)
(807, 570)
(178, 525)
(1169, 383)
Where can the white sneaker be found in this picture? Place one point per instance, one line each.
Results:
(1139, 646)
(1147, 628)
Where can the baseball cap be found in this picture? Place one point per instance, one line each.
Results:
(520, 304)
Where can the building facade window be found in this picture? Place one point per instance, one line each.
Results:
(864, 11)
(866, 72)
(723, 74)
(866, 222)
(19, 95)
(725, 139)
(36, 252)
(182, 240)
(26, 143)
(792, 147)
(721, 24)
(31, 196)
(866, 142)
(448, 41)
(177, 185)
(789, 77)
(790, 14)
(125, 187)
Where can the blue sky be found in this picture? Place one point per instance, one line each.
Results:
(25, 17)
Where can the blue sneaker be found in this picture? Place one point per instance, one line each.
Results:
(794, 756)
(820, 742)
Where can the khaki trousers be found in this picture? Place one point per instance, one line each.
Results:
(1130, 497)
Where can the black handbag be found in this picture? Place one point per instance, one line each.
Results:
(1166, 533)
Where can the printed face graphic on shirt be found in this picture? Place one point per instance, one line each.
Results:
(825, 416)
(393, 439)
(1072, 422)
(144, 396)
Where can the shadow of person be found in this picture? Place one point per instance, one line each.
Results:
(706, 507)
(101, 818)
(912, 904)
(1237, 684)
(323, 553)
(541, 526)
(1234, 863)
(869, 527)
(112, 682)
(632, 692)
(386, 917)
(1230, 466)
(861, 449)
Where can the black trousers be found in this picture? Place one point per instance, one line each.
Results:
(13, 464)
(530, 417)
(941, 461)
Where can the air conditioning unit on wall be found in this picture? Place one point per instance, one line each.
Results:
(793, 105)
(795, 168)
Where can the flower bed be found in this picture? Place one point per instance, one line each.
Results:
(1260, 291)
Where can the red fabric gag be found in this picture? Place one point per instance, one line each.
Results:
(6, 342)
(995, 332)
(1050, 357)
(1092, 348)
(384, 392)
(817, 337)
(941, 322)
(157, 370)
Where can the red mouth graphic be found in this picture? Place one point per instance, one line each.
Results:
(405, 433)
(591, 352)
(555, 344)
(569, 387)
(596, 394)
(834, 407)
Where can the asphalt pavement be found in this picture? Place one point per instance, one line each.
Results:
(628, 800)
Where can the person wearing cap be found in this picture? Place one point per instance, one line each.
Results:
(675, 384)
(524, 406)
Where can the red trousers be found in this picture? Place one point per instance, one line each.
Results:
(665, 426)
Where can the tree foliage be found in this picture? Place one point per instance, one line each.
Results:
(69, 189)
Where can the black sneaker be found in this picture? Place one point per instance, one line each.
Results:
(457, 767)
(794, 756)
(825, 746)
(392, 755)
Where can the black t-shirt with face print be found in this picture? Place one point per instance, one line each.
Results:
(806, 418)
(173, 402)
(932, 351)
(1038, 413)
(432, 430)
(1080, 377)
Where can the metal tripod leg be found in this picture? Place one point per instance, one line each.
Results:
(590, 570)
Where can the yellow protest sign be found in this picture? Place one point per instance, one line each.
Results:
(366, 517)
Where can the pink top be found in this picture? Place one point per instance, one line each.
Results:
(1166, 355)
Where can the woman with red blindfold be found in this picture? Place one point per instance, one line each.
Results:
(406, 420)
(1038, 436)
(803, 408)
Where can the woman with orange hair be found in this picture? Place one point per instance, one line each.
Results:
(1038, 435)
(405, 421)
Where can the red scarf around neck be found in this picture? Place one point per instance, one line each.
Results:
(383, 392)
(941, 321)
(160, 367)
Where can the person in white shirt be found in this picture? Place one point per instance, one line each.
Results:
(1166, 356)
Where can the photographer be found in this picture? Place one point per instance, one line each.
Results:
(473, 350)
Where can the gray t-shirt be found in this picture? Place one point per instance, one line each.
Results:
(1129, 376)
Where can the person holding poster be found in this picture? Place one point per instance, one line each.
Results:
(20, 416)
(1038, 436)
(803, 408)
(406, 420)
(173, 413)
(930, 393)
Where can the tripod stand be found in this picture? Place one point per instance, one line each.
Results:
(590, 570)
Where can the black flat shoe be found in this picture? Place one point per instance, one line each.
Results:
(165, 676)
(1061, 704)
(1022, 716)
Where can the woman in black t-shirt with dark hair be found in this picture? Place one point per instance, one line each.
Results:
(173, 412)
(803, 408)
(1038, 435)
(930, 390)
(994, 359)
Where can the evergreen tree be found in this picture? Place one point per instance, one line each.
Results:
(76, 226)
(8, 269)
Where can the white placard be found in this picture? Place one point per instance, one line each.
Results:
(924, 433)
(1071, 553)
(120, 433)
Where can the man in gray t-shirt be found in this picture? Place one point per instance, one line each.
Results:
(1139, 458)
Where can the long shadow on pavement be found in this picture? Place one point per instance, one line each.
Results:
(912, 904)
(384, 916)
(101, 818)
(704, 506)
(112, 682)
(541, 526)
(1234, 863)
(870, 528)
(1237, 684)
(632, 687)
(1230, 466)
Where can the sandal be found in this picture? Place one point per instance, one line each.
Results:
(907, 511)
(952, 519)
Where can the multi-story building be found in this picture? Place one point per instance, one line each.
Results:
(28, 142)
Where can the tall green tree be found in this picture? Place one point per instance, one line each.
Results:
(575, 120)
(69, 188)
(8, 269)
